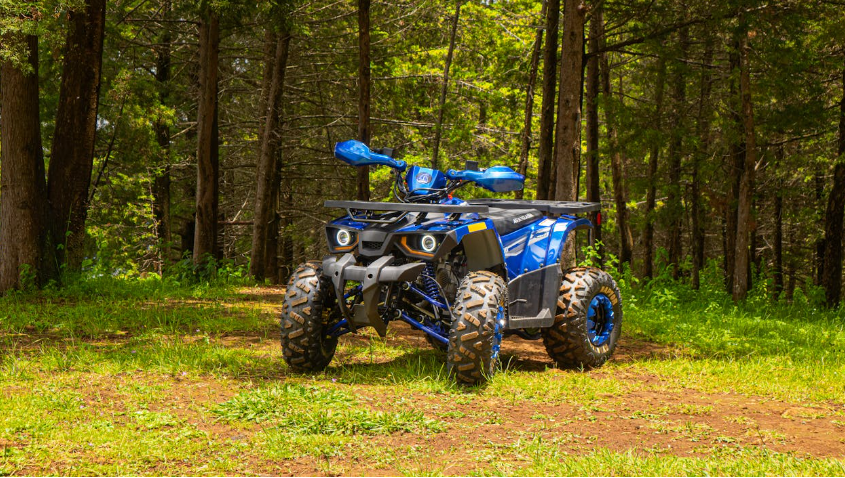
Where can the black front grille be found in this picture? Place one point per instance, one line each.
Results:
(372, 245)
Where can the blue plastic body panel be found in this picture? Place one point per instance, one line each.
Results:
(357, 153)
(424, 180)
(499, 179)
(532, 247)
(539, 244)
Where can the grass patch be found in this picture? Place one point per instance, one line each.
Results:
(306, 410)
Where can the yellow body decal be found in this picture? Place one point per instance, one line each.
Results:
(478, 226)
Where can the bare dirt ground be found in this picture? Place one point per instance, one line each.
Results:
(651, 417)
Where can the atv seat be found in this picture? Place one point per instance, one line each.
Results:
(510, 220)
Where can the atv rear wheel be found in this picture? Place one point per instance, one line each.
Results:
(307, 304)
(476, 333)
(588, 319)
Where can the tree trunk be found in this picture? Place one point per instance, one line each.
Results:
(703, 124)
(438, 126)
(205, 236)
(777, 269)
(746, 188)
(617, 170)
(529, 102)
(592, 114)
(23, 205)
(818, 252)
(568, 148)
(72, 154)
(546, 146)
(267, 180)
(161, 181)
(675, 207)
(735, 171)
(271, 250)
(832, 279)
(364, 84)
(569, 102)
(654, 154)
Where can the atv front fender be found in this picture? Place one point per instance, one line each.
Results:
(482, 246)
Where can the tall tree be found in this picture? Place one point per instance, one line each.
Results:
(703, 134)
(832, 278)
(592, 113)
(626, 240)
(569, 102)
(72, 154)
(267, 189)
(675, 153)
(438, 126)
(777, 266)
(653, 158)
(364, 84)
(161, 181)
(746, 188)
(529, 101)
(546, 146)
(23, 206)
(205, 235)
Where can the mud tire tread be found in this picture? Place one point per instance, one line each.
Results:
(567, 341)
(305, 347)
(472, 337)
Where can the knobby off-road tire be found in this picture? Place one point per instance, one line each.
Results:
(476, 333)
(588, 319)
(305, 346)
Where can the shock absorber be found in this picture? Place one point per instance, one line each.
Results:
(429, 283)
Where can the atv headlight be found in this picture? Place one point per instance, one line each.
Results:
(343, 237)
(428, 243)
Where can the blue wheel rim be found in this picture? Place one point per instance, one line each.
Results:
(600, 320)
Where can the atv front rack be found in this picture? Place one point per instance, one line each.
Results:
(551, 208)
(363, 211)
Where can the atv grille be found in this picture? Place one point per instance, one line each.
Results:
(372, 245)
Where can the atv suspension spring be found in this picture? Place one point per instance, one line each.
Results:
(430, 286)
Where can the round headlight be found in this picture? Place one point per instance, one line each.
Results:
(428, 243)
(343, 238)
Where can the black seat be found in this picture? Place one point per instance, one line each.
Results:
(509, 220)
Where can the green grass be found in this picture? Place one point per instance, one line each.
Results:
(162, 377)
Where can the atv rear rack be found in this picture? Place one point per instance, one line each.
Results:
(552, 208)
(355, 208)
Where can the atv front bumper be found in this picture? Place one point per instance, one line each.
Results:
(372, 277)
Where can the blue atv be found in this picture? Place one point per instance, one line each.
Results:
(466, 273)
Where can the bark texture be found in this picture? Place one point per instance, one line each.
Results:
(525, 147)
(569, 102)
(23, 191)
(546, 145)
(267, 187)
(617, 167)
(675, 209)
(592, 114)
(832, 275)
(205, 235)
(364, 84)
(703, 133)
(72, 153)
(161, 181)
(746, 188)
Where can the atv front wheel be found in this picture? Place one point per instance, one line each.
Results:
(588, 319)
(305, 345)
(476, 333)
